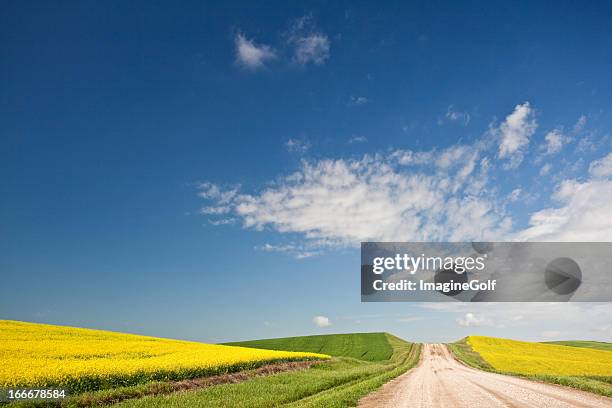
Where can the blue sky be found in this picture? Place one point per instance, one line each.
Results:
(206, 170)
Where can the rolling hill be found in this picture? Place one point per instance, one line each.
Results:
(42, 355)
(362, 346)
(362, 362)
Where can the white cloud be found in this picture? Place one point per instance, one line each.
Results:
(514, 195)
(211, 191)
(296, 250)
(343, 202)
(251, 55)
(277, 248)
(555, 140)
(514, 134)
(586, 144)
(297, 145)
(222, 221)
(457, 116)
(358, 100)
(405, 195)
(470, 320)
(601, 168)
(545, 169)
(314, 48)
(358, 139)
(321, 321)
(409, 157)
(309, 44)
(580, 124)
(215, 210)
(585, 214)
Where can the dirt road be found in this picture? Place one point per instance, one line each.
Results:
(441, 381)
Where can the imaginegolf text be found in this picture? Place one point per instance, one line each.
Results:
(444, 287)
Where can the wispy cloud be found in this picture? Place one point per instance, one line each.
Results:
(601, 168)
(357, 100)
(545, 169)
(514, 195)
(298, 251)
(554, 142)
(222, 221)
(251, 55)
(215, 210)
(514, 134)
(357, 139)
(310, 45)
(580, 124)
(321, 321)
(472, 320)
(346, 201)
(298, 145)
(449, 194)
(453, 115)
(583, 212)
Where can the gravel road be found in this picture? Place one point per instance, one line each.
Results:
(441, 381)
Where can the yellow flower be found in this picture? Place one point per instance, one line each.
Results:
(83, 359)
(536, 358)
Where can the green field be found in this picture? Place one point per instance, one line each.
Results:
(339, 382)
(599, 384)
(599, 345)
(361, 363)
(362, 346)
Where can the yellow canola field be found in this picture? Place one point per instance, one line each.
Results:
(82, 359)
(522, 357)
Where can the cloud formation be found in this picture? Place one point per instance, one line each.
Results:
(453, 115)
(296, 250)
(357, 100)
(251, 55)
(545, 169)
(584, 212)
(321, 321)
(601, 168)
(297, 145)
(449, 194)
(382, 197)
(555, 140)
(310, 45)
(514, 134)
(357, 139)
(471, 320)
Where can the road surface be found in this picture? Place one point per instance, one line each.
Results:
(441, 381)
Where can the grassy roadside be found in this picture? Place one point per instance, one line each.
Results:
(340, 382)
(595, 384)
